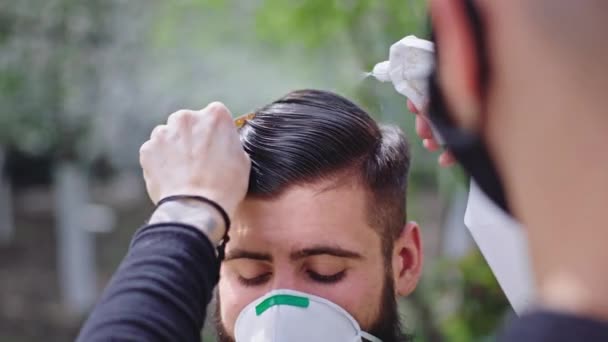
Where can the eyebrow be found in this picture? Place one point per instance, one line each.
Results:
(324, 250)
(297, 255)
(245, 254)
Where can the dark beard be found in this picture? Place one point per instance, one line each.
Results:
(387, 326)
(220, 329)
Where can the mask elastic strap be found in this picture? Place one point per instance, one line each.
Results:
(369, 337)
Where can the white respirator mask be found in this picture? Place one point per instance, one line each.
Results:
(287, 315)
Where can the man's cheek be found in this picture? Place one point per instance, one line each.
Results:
(233, 299)
(363, 297)
(229, 305)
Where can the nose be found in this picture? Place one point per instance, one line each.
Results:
(285, 277)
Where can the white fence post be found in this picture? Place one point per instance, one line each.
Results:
(75, 245)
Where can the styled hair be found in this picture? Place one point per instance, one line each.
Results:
(310, 135)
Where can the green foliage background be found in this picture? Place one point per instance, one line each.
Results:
(52, 96)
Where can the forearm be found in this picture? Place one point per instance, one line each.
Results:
(162, 287)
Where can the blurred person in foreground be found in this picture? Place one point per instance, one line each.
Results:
(518, 95)
(323, 221)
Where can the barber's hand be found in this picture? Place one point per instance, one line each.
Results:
(423, 129)
(197, 153)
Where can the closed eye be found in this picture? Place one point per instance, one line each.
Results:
(326, 279)
(255, 281)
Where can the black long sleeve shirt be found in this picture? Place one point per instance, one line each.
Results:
(555, 327)
(161, 290)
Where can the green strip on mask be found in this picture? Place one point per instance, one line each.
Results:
(280, 299)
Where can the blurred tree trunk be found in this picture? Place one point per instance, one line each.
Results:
(7, 227)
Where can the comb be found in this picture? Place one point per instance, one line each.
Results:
(242, 120)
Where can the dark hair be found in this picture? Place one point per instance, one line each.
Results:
(312, 135)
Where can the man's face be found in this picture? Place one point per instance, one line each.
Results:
(310, 240)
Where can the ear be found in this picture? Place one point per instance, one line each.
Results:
(407, 259)
(457, 64)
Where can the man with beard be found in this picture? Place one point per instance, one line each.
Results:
(324, 214)
(323, 222)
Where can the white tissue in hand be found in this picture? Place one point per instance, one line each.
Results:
(409, 65)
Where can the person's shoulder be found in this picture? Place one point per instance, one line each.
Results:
(554, 327)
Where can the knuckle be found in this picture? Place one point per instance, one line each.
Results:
(145, 147)
(180, 119)
(219, 111)
(175, 116)
(183, 115)
(216, 106)
(159, 132)
(144, 150)
(187, 115)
